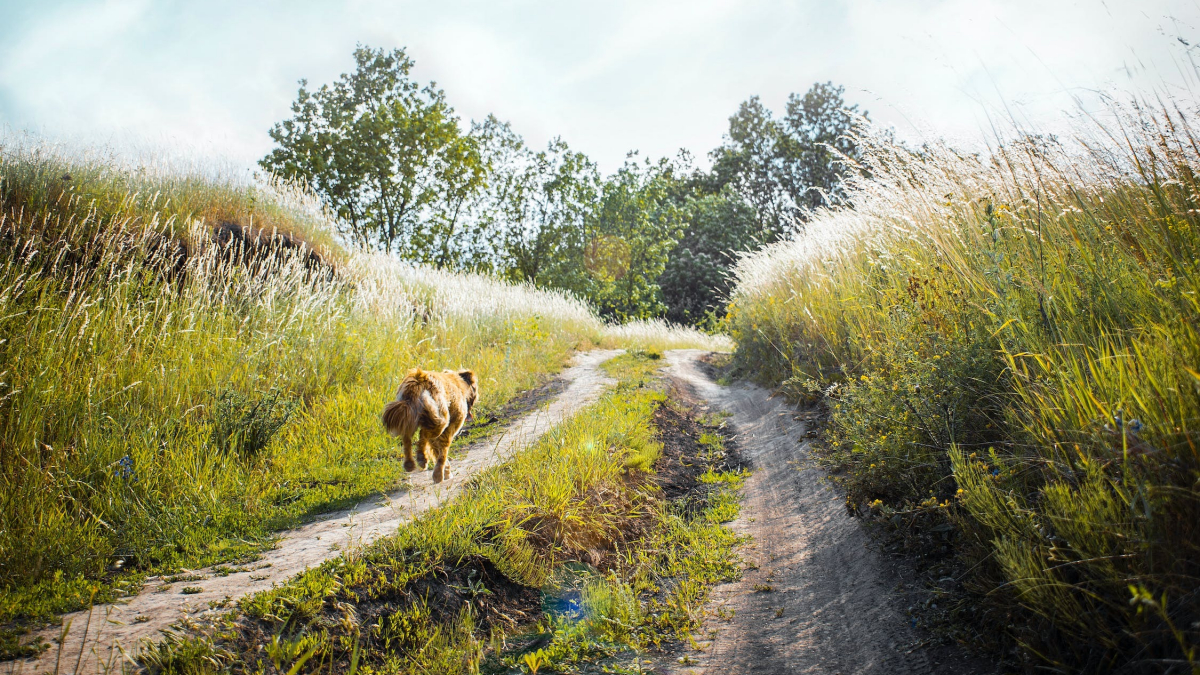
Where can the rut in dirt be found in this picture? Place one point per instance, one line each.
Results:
(816, 597)
(106, 638)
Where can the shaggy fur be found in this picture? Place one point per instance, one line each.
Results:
(437, 405)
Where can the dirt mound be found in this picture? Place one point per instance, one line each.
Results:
(252, 247)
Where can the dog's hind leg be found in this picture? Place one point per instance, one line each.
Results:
(409, 464)
(427, 438)
(441, 447)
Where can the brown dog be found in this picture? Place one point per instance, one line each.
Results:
(436, 404)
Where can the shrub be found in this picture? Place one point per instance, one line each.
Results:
(243, 426)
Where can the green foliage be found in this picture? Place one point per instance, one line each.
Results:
(785, 168)
(244, 425)
(538, 221)
(385, 153)
(179, 654)
(631, 232)
(696, 279)
(1009, 347)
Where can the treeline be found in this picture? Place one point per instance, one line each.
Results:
(404, 174)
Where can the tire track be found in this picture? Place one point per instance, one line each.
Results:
(814, 598)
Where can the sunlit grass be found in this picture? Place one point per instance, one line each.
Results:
(123, 361)
(1010, 342)
(584, 489)
(658, 335)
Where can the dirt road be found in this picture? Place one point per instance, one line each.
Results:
(816, 599)
(98, 640)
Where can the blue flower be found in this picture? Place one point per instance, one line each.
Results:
(124, 469)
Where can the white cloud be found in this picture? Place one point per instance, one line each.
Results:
(610, 77)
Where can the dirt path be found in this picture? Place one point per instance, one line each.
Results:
(98, 640)
(819, 599)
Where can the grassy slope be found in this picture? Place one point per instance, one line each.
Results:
(1009, 347)
(160, 409)
(436, 597)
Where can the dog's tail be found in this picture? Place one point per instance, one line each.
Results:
(400, 417)
(404, 416)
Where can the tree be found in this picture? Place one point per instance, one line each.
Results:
(385, 153)
(695, 281)
(540, 204)
(631, 232)
(816, 125)
(750, 162)
(786, 168)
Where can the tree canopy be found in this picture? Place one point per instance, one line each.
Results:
(385, 153)
(391, 159)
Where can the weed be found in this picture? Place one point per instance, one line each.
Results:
(243, 425)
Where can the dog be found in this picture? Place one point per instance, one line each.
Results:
(437, 405)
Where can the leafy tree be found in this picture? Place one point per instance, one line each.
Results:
(695, 281)
(816, 125)
(785, 168)
(631, 232)
(749, 162)
(541, 202)
(385, 153)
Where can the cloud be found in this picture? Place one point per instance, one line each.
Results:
(654, 75)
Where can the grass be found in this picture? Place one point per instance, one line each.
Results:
(1009, 348)
(658, 336)
(567, 557)
(634, 369)
(169, 402)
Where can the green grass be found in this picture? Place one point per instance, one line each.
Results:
(635, 368)
(160, 412)
(584, 490)
(1009, 348)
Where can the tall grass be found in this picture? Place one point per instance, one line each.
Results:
(166, 400)
(1009, 343)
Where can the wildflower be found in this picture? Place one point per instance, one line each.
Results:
(124, 469)
(995, 472)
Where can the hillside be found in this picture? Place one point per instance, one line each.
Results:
(1007, 347)
(192, 362)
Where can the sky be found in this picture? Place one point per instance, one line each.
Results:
(208, 79)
